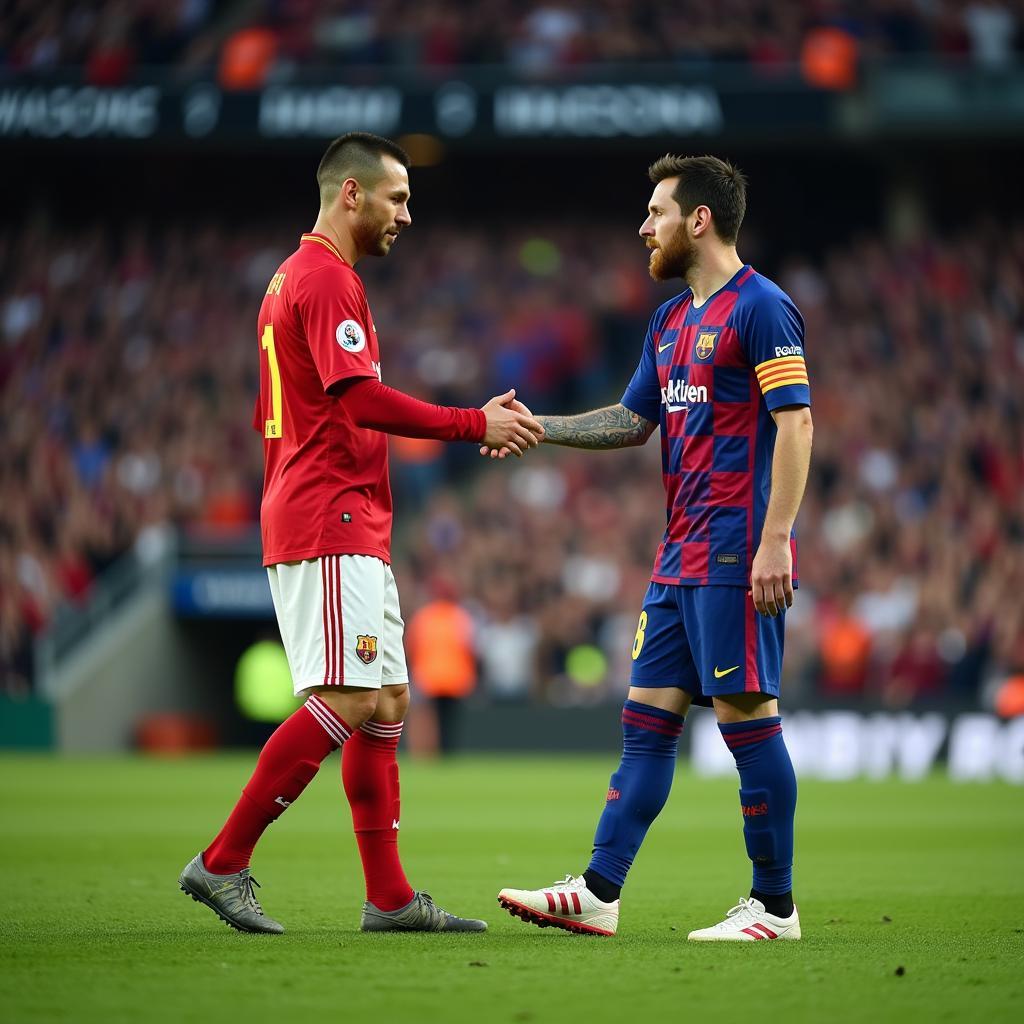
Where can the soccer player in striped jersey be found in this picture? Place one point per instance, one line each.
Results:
(323, 413)
(722, 373)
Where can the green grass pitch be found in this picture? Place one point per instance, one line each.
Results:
(911, 898)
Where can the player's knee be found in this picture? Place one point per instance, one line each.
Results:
(363, 707)
(393, 704)
(354, 706)
(744, 707)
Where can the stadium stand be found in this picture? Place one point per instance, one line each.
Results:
(127, 379)
(109, 42)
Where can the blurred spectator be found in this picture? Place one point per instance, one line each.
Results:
(247, 58)
(845, 648)
(127, 375)
(112, 39)
(506, 637)
(992, 30)
(1010, 698)
(917, 671)
(442, 667)
(419, 462)
(828, 58)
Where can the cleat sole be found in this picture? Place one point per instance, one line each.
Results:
(535, 917)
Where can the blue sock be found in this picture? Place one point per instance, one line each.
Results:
(768, 800)
(637, 791)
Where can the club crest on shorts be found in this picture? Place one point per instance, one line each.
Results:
(706, 342)
(366, 648)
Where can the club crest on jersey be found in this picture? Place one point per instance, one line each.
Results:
(366, 648)
(706, 342)
(350, 336)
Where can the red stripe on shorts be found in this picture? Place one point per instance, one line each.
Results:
(334, 671)
(339, 636)
(752, 683)
(324, 603)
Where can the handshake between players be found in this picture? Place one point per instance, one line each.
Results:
(511, 427)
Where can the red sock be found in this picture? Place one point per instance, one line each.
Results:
(285, 767)
(369, 772)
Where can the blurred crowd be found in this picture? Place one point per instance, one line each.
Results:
(911, 531)
(128, 371)
(252, 40)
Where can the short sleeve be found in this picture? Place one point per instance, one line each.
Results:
(772, 336)
(643, 393)
(332, 308)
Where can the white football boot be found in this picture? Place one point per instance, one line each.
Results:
(748, 921)
(568, 904)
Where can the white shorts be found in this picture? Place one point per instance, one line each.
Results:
(340, 621)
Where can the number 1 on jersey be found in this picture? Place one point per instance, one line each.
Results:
(272, 428)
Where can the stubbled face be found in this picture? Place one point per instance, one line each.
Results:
(384, 210)
(673, 254)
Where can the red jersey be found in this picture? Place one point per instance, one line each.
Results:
(325, 485)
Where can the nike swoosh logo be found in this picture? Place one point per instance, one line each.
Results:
(661, 348)
(719, 675)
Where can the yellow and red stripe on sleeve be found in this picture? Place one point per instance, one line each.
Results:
(778, 373)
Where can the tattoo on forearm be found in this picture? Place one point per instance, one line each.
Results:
(612, 427)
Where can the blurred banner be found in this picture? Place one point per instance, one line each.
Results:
(832, 744)
(217, 592)
(839, 745)
(454, 110)
(624, 103)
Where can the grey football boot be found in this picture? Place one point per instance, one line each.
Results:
(419, 915)
(230, 897)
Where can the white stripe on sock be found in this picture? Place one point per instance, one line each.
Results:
(386, 729)
(330, 722)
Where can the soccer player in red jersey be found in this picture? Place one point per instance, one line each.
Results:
(326, 523)
(722, 374)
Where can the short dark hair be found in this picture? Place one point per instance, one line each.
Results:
(706, 181)
(355, 155)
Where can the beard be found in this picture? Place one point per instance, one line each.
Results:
(676, 259)
(371, 235)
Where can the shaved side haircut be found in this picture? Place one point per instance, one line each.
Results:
(356, 155)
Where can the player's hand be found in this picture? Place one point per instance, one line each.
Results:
(500, 453)
(771, 577)
(511, 428)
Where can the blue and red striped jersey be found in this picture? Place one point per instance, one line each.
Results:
(710, 376)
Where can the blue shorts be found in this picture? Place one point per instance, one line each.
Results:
(709, 641)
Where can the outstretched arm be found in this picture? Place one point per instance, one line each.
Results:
(375, 406)
(614, 426)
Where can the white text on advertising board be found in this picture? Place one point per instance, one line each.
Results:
(605, 111)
